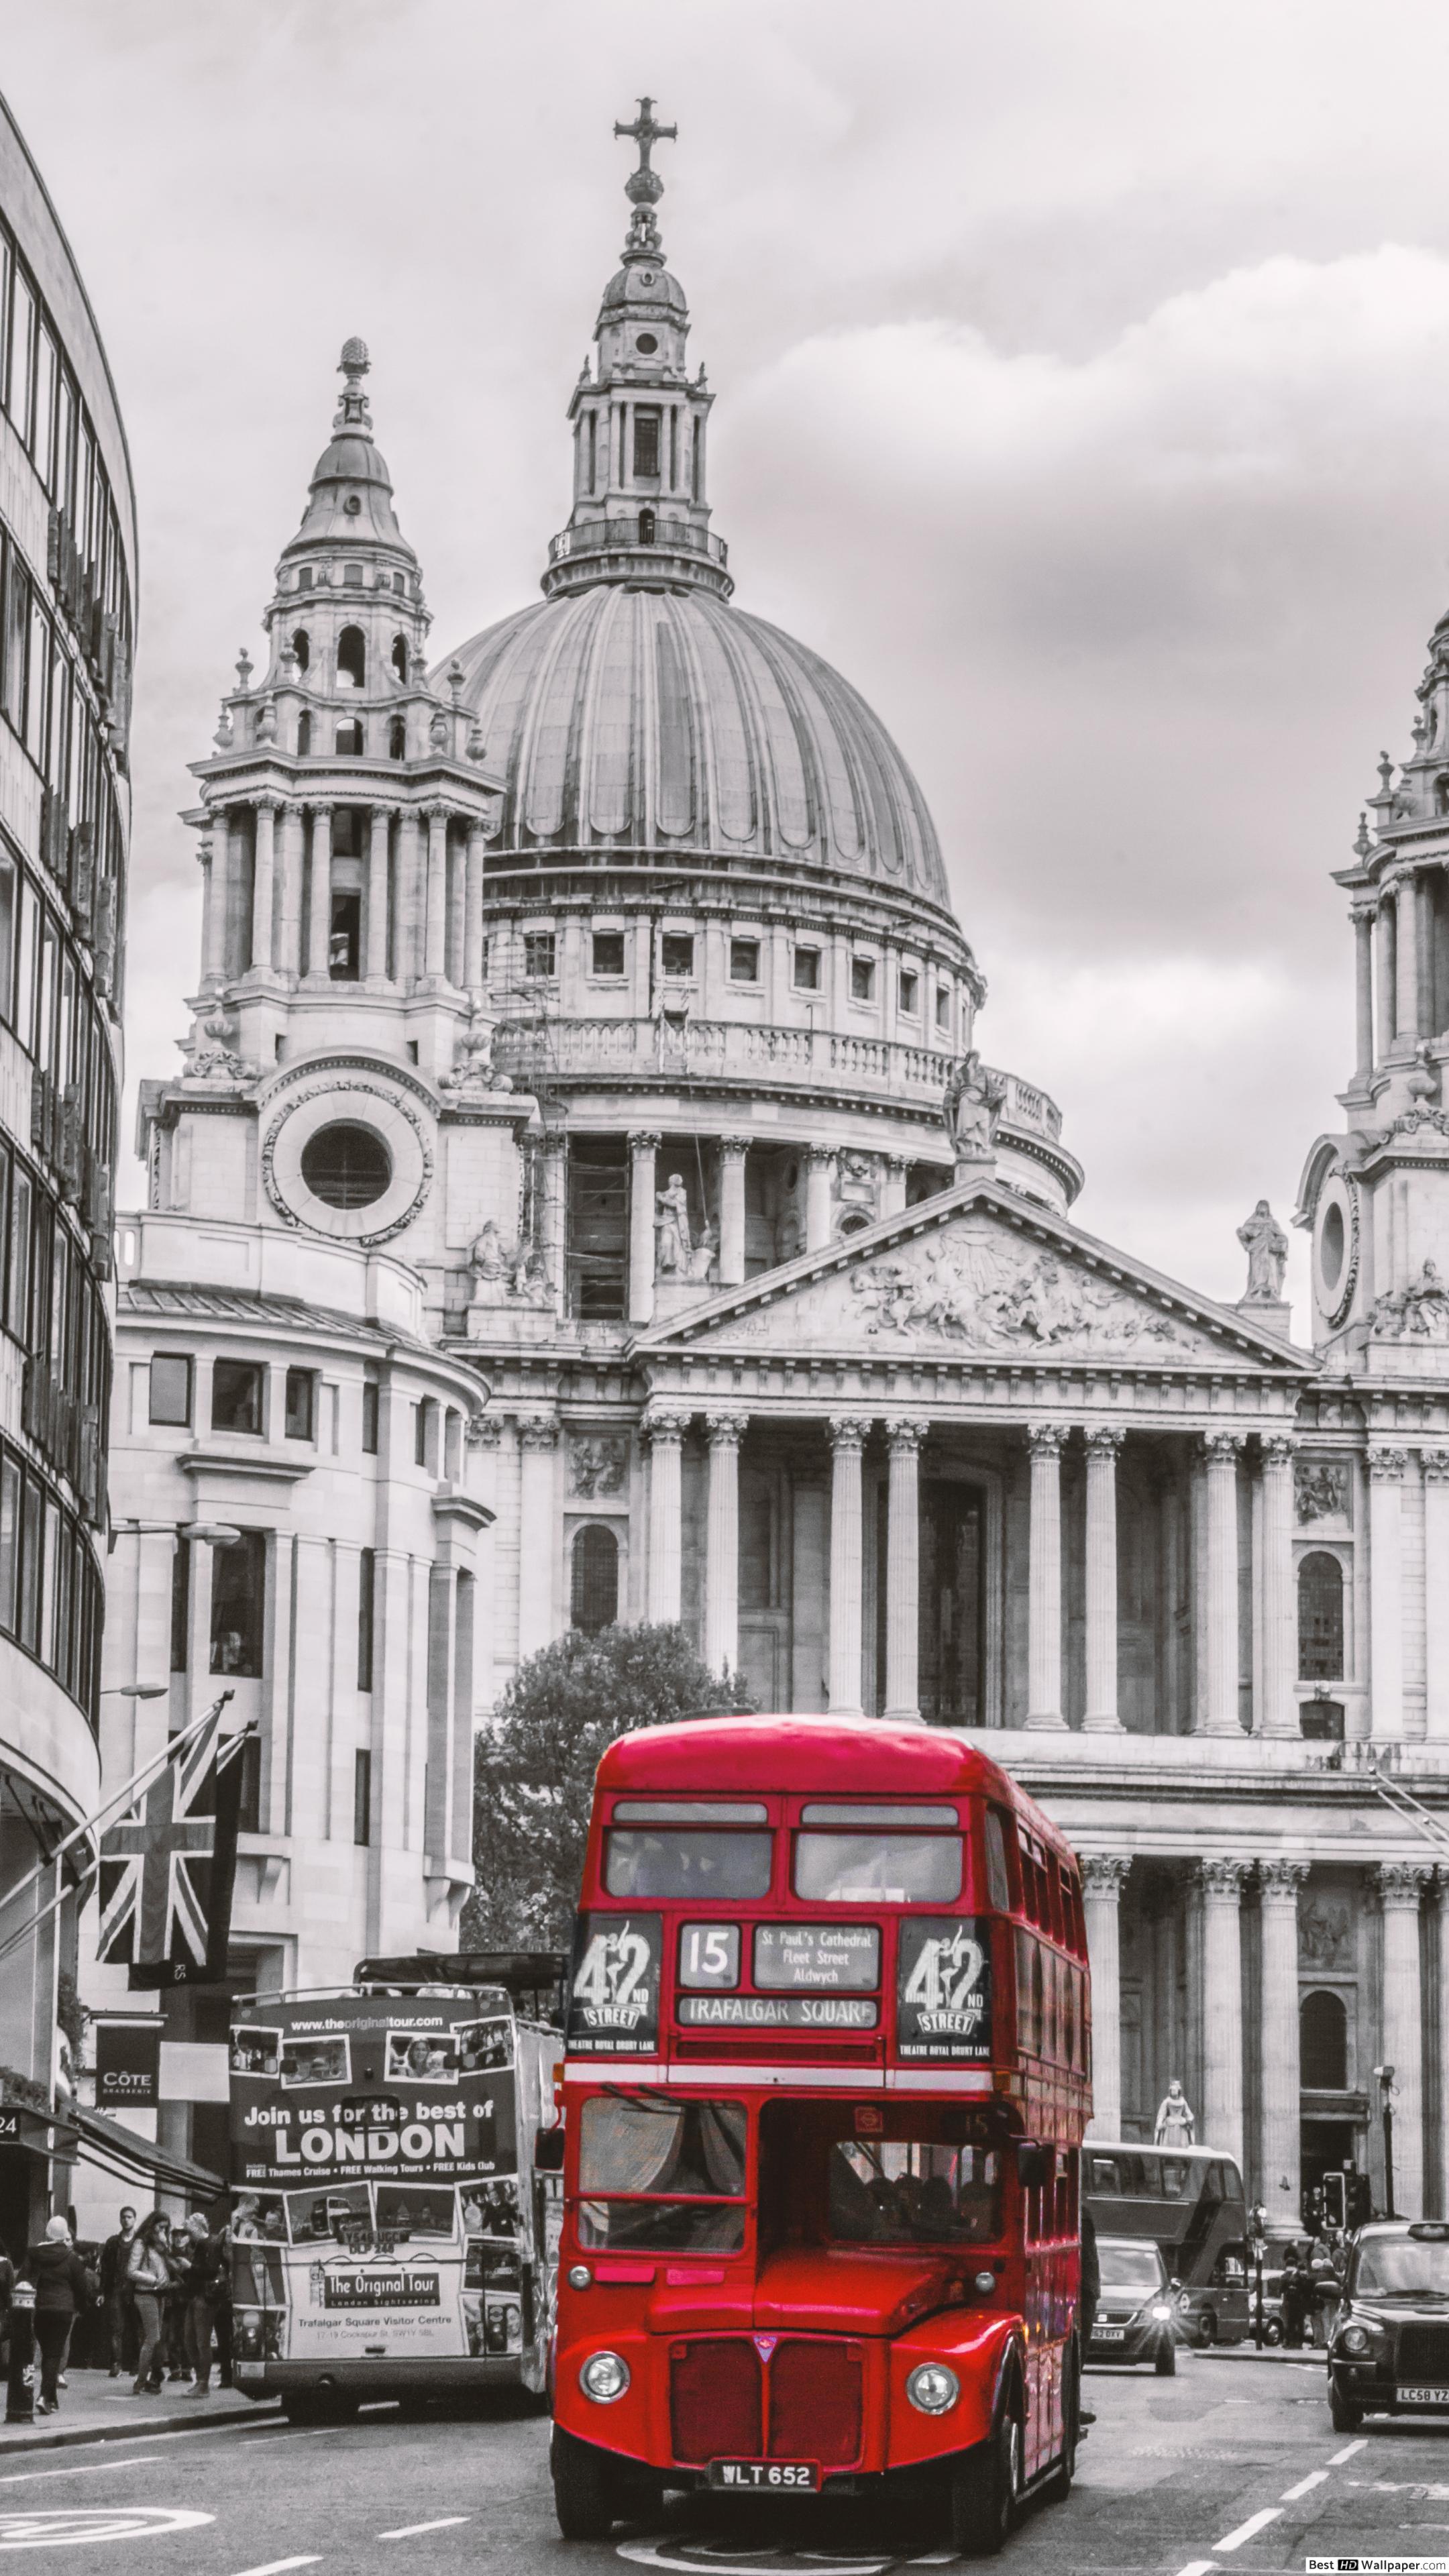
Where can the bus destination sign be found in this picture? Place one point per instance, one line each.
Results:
(824, 1957)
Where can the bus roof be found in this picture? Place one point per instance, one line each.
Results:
(862, 1757)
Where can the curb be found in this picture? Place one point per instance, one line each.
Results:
(1280, 2356)
(190, 2422)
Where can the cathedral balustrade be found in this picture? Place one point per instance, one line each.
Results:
(647, 528)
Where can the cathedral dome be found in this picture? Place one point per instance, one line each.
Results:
(667, 722)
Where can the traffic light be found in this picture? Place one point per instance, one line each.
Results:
(1335, 2200)
(1360, 2199)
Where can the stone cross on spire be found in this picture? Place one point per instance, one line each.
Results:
(644, 187)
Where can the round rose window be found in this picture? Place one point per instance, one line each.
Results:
(346, 1166)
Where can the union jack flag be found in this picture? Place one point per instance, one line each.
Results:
(168, 1865)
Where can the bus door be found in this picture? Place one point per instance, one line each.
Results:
(1046, 2197)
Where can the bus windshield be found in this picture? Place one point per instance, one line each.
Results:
(878, 1868)
(913, 2191)
(659, 2173)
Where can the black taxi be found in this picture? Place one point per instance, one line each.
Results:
(1388, 2344)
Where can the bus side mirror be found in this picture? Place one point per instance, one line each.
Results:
(548, 2151)
(1035, 2165)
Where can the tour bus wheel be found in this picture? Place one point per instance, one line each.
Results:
(986, 2489)
(1166, 2362)
(585, 2494)
(1345, 2415)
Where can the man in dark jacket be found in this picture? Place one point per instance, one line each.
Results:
(120, 2314)
(62, 2293)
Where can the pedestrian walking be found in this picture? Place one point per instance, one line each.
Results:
(116, 2297)
(199, 2280)
(62, 2293)
(149, 2275)
(1297, 2297)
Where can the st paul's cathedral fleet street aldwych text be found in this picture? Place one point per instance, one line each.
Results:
(581, 1198)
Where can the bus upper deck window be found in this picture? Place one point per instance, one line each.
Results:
(700, 1866)
(998, 1879)
(878, 1868)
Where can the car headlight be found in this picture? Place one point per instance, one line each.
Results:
(933, 2388)
(1163, 2315)
(1356, 2339)
(605, 2376)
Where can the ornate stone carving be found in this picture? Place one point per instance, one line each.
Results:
(1418, 1313)
(1386, 1466)
(1104, 1873)
(1321, 1489)
(1325, 1933)
(1266, 1246)
(1435, 1464)
(536, 1431)
(1402, 1882)
(1336, 1311)
(472, 1067)
(484, 1430)
(598, 1464)
(1044, 1439)
(971, 1108)
(847, 1431)
(1222, 1446)
(1280, 1880)
(516, 1268)
(1222, 1878)
(644, 1142)
(975, 1289)
(666, 1425)
(333, 1088)
(726, 1430)
(1278, 1449)
(902, 1437)
(676, 1254)
(1104, 1440)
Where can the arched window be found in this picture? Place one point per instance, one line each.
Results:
(1320, 1618)
(397, 739)
(351, 658)
(302, 648)
(1441, 795)
(646, 527)
(594, 1590)
(1323, 2043)
(349, 735)
(400, 656)
(304, 736)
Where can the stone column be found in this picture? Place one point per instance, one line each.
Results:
(1103, 1877)
(847, 1439)
(1221, 2122)
(732, 1152)
(643, 1152)
(435, 945)
(411, 900)
(1442, 1893)
(722, 1542)
(1221, 1450)
(473, 975)
(1278, 1885)
(1362, 917)
(1101, 1716)
(1435, 1463)
(377, 899)
(1407, 976)
(666, 1436)
(1044, 1579)
(537, 1545)
(1386, 1604)
(1386, 930)
(554, 1182)
(319, 912)
(1279, 1714)
(903, 1573)
(893, 1185)
(213, 915)
(1401, 1884)
(819, 1168)
(456, 875)
(290, 922)
(263, 868)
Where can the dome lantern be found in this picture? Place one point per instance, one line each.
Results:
(640, 512)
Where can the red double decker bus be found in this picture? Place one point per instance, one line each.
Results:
(826, 2078)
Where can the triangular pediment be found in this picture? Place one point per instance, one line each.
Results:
(977, 1273)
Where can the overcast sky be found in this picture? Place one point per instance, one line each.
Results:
(1083, 380)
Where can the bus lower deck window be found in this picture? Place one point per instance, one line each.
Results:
(693, 1865)
(878, 1869)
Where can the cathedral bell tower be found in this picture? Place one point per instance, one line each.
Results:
(345, 807)
(640, 421)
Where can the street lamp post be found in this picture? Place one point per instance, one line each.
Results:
(1385, 2075)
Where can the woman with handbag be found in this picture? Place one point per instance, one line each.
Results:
(148, 2272)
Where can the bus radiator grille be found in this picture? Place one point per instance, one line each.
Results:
(1424, 2355)
(815, 2402)
(714, 2401)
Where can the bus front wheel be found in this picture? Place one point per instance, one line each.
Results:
(585, 2488)
(986, 2490)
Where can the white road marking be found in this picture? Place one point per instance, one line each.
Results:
(410, 2530)
(1248, 2530)
(1198, 2567)
(91, 2468)
(1315, 2478)
(1347, 2452)
(276, 2566)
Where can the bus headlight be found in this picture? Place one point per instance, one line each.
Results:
(1356, 2339)
(933, 2388)
(605, 2376)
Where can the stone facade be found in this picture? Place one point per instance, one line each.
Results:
(585, 1057)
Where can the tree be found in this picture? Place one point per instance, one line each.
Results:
(535, 1769)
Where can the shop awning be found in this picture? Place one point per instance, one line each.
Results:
(119, 2151)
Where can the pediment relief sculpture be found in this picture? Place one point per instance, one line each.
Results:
(973, 1287)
